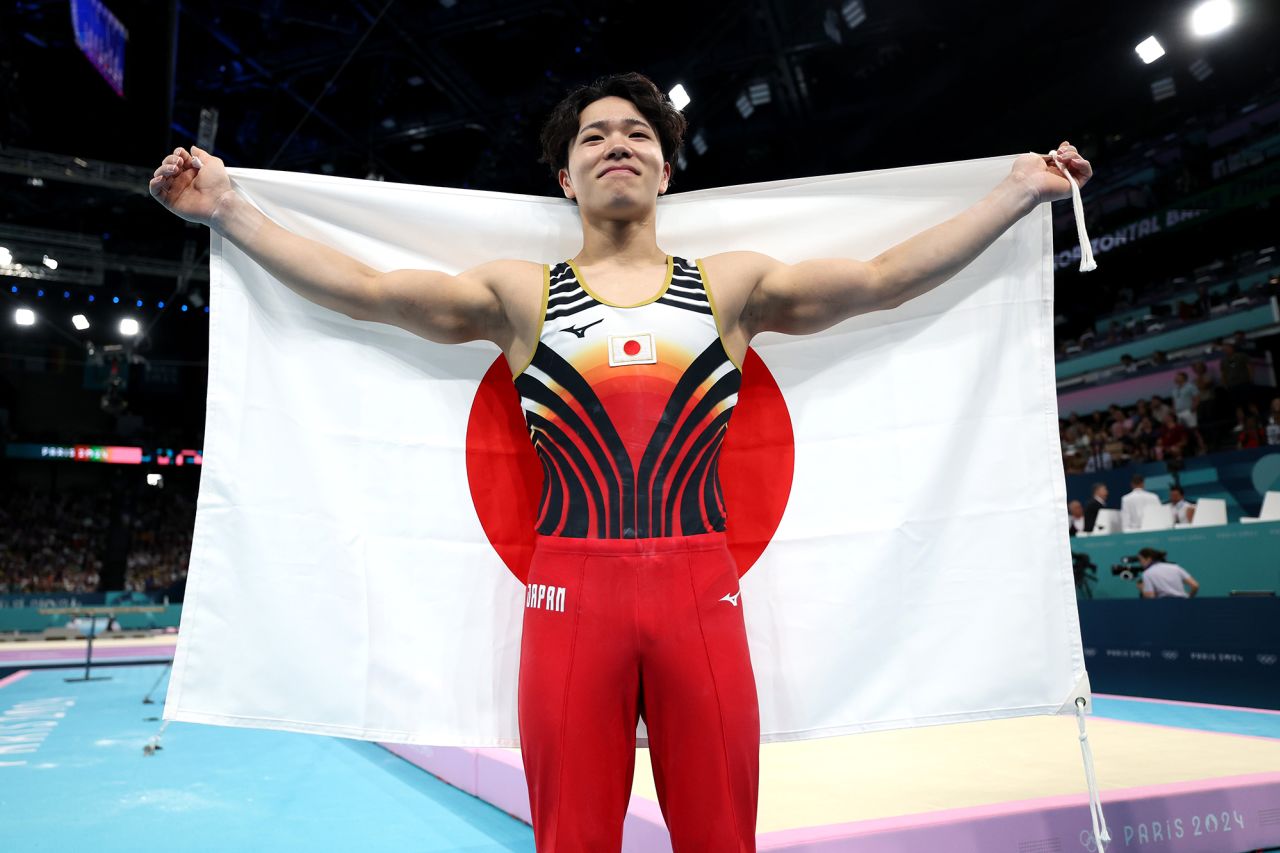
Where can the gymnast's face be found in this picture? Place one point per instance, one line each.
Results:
(615, 161)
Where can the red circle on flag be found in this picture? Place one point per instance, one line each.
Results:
(631, 347)
(757, 462)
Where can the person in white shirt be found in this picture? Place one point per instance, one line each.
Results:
(1135, 503)
(1183, 510)
(1164, 580)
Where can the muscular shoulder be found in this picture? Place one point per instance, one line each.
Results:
(732, 278)
(504, 275)
(738, 269)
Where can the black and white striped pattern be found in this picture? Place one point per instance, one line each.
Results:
(566, 296)
(687, 289)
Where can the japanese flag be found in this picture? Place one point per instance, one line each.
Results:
(894, 486)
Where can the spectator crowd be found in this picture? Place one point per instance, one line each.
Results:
(55, 543)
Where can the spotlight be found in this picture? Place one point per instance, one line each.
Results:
(128, 327)
(6, 257)
(1163, 89)
(745, 107)
(1150, 50)
(853, 13)
(700, 143)
(759, 93)
(1200, 69)
(679, 97)
(1212, 17)
(80, 321)
(50, 262)
(24, 317)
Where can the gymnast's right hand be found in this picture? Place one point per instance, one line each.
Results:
(190, 184)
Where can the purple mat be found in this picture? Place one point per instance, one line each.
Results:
(19, 655)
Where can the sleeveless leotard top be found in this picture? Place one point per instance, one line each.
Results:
(627, 408)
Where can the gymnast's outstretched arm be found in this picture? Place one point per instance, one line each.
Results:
(813, 295)
(436, 305)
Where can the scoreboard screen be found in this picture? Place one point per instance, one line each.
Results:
(105, 453)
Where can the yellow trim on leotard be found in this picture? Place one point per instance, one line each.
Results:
(583, 282)
(706, 285)
(542, 318)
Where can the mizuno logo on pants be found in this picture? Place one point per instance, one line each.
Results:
(542, 597)
(732, 599)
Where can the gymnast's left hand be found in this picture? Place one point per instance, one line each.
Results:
(1041, 175)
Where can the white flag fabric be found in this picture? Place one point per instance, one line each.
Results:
(344, 581)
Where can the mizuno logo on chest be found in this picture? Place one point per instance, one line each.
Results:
(581, 331)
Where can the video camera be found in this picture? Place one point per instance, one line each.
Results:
(1129, 568)
(1085, 571)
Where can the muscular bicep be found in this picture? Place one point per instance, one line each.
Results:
(440, 307)
(810, 296)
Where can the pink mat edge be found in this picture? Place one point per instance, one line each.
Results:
(1013, 807)
(647, 811)
(15, 676)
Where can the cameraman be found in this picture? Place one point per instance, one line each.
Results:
(1163, 580)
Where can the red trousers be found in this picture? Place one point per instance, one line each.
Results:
(620, 628)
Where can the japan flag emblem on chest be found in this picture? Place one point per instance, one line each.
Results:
(632, 349)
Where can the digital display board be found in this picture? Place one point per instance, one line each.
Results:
(105, 453)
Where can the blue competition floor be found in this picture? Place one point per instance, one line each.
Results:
(1240, 721)
(88, 785)
(73, 775)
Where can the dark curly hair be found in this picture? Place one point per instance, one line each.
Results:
(562, 125)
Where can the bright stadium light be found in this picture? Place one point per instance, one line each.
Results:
(6, 257)
(679, 97)
(128, 327)
(24, 317)
(1150, 50)
(1212, 17)
(51, 263)
(80, 321)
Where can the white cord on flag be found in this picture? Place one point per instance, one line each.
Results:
(1100, 833)
(1087, 263)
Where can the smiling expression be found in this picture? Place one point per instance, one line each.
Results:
(615, 160)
